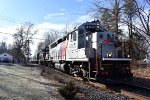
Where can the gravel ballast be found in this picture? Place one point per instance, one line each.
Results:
(90, 92)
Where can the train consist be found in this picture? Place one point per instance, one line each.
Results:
(89, 51)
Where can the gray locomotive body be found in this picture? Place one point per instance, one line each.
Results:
(90, 52)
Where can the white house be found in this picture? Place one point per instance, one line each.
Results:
(5, 57)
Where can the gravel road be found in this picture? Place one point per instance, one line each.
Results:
(25, 83)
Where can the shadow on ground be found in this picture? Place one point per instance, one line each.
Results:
(29, 65)
(143, 81)
(7, 64)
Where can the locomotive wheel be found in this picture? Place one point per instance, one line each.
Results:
(72, 70)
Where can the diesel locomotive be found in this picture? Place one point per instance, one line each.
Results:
(90, 51)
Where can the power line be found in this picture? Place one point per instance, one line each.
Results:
(9, 19)
(4, 27)
(12, 20)
(38, 38)
(13, 34)
(5, 33)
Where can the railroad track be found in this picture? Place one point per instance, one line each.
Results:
(126, 92)
(136, 84)
(134, 95)
(116, 88)
(143, 95)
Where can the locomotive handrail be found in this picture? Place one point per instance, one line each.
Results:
(117, 59)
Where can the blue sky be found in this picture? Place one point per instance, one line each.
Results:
(44, 14)
(38, 11)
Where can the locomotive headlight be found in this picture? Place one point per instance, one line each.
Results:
(109, 55)
(128, 56)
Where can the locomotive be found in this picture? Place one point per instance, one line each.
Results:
(90, 51)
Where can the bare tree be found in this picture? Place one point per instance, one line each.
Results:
(144, 19)
(129, 14)
(68, 28)
(136, 17)
(3, 47)
(116, 16)
(106, 18)
(23, 38)
(65, 30)
(148, 1)
(142, 26)
(50, 37)
(109, 16)
(139, 29)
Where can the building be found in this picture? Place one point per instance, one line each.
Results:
(5, 57)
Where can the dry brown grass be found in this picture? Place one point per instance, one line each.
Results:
(58, 78)
(141, 69)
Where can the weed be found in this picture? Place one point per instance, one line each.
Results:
(68, 91)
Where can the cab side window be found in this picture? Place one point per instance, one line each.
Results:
(73, 36)
(81, 41)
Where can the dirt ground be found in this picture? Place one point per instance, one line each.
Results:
(26, 83)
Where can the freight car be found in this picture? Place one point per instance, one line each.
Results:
(90, 51)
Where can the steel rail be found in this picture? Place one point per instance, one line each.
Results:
(134, 95)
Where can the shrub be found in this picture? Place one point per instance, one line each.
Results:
(68, 91)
